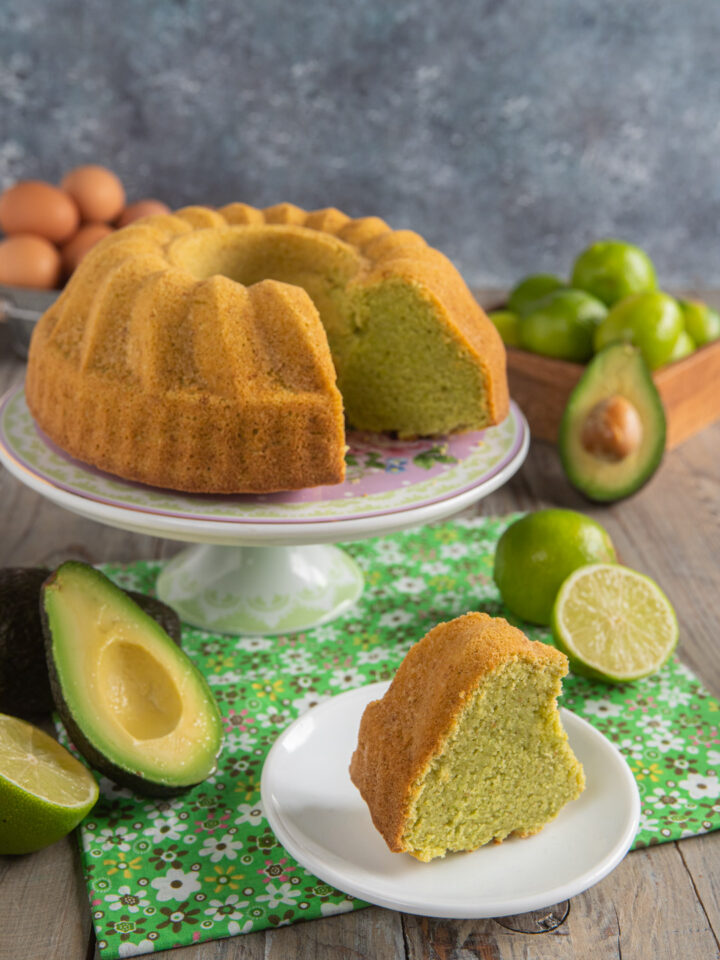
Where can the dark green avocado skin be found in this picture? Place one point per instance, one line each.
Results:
(24, 684)
(638, 382)
(121, 775)
(161, 613)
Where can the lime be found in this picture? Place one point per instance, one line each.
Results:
(44, 791)
(613, 623)
(684, 346)
(531, 289)
(651, 321)
(701, 321)
(537, 552)
(562, 325)
(507, 325)
(611, 270)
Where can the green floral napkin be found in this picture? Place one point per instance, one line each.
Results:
(206, 865)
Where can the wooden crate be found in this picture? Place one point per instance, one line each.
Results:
(690, 391)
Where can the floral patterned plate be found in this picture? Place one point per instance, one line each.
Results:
(321, 819)
(423, 480)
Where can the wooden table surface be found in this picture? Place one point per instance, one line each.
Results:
(661, 903)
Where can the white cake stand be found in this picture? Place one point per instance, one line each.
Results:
(263, 564)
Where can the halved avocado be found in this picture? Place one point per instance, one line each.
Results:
(133, 703)
(24, 684)
(612, 435)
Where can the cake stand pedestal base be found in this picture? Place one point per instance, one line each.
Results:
(260, 590)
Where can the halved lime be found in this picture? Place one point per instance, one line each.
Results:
(614, 624)
(44, 791)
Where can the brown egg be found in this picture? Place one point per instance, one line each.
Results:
(142, 208)
(28, 261)
(97, 192)
(86, 237)
(36, 207)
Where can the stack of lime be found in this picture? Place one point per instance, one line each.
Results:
(612, 297)
(557, 568)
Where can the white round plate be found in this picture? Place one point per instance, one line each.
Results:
(390, 485)
(321, 819)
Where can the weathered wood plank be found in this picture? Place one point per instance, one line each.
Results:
(701, 858)
(44, 910)
(430, 939)
(645, 909)
(371, 933)
(659, 915)
(593, 924)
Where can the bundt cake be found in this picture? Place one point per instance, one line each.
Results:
(467, 746)
(203, 350)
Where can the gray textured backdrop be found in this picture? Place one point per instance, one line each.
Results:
(508, 132)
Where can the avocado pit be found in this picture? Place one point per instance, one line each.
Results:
(612, 430)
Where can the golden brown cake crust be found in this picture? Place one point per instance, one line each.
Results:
(224, 431)
(141, 368)
(400, 733)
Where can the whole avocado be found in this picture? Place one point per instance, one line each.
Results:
(24, 685)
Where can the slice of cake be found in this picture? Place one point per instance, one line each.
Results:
(467, 745)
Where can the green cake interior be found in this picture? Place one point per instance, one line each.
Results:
(505, 767)
(399, 368)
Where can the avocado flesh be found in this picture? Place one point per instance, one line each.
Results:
(24, 684)
(133, 703)
(618, 370)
